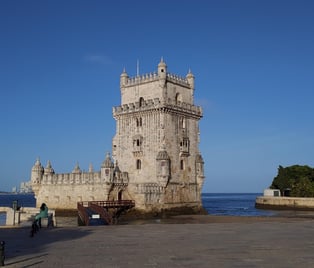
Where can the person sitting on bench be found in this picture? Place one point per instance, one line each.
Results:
(42, 214)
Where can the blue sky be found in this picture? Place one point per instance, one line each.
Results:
(60, 63)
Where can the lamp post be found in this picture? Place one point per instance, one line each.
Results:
(2, 256)
(14, 206)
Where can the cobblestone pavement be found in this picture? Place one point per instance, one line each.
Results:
(286, 243)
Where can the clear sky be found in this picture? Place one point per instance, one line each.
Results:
(60, 63)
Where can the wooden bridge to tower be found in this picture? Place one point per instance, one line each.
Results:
(102, 212)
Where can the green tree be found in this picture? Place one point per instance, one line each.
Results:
(303, 188)
(299, 179)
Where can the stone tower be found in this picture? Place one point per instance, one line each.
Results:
(156, 160)
(157, 140)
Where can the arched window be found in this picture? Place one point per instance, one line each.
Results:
(141, 101)
(139, 121)
(178, 98)
(138, 164)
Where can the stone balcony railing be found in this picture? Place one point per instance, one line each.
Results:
(156, 104)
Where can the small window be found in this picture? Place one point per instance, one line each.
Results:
(141, 102)
(181, 164)
(162, 70)
(139, 122)
(138, 164)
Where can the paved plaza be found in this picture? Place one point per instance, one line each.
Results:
(212, 243)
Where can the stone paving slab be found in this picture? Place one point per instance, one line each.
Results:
(282, 243)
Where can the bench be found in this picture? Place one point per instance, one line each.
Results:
(47, 221)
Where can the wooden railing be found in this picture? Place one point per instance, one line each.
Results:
(101, 208)
(114, 204)
(83, 213)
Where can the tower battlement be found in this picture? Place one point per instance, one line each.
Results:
(153, 76)
(180, 107)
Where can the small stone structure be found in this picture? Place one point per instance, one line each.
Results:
(156, 158)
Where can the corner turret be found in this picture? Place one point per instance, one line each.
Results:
(190, 77)
(162, 72)
(163, 168)
(199, 162)
(107, 169)
(48, 169)
(123, 78)
(37, 173)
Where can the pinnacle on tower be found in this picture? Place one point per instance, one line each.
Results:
(162, 69)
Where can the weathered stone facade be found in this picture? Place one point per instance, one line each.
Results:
(155, 150)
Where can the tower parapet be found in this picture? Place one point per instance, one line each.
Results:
(156, 104)
(127, 81)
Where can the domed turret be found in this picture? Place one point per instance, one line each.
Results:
(36, 174)
(162, 73)
(76, 169)
(162, 68)
(37, 166)
(190, 77)
(48, 169)
(107, 168)
(123, 78)
(107, 163)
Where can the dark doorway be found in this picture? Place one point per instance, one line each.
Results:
(120, 195)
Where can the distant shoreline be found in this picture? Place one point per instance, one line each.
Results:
(14, 193)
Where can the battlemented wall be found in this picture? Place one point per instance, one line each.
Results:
(155, 152)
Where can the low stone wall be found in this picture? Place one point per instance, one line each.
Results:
(24, 216)
(295, 203)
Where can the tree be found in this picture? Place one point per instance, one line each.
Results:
(299, 179)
